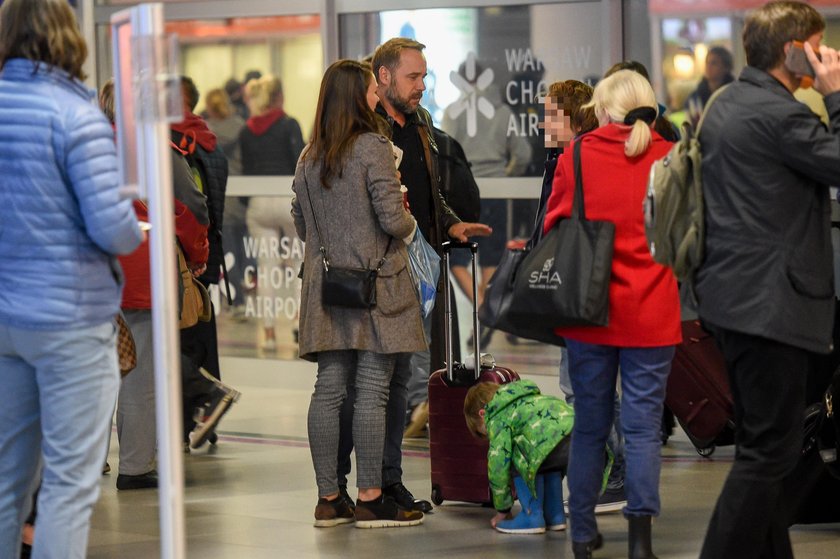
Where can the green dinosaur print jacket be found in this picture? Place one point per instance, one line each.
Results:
(523, 427)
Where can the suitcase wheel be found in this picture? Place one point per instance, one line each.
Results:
(437, 498)
(706, 452)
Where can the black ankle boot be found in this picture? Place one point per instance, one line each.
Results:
(639, 545)
(583, 550)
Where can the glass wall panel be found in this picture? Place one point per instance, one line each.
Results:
(513, 52)
(221, 54)
(263, 254)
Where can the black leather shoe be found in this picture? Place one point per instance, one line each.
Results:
(149, 480)
(583, 550)
(342, 493)
(405, 499)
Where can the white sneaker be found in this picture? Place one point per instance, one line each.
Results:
(612, 500)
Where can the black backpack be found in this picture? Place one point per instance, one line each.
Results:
(458, 185)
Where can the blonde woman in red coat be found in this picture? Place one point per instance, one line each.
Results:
(644, 314)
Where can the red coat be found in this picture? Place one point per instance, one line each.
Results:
(137, 293)
(644, 300)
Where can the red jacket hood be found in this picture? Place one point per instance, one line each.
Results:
(195, 130)
(259, 125)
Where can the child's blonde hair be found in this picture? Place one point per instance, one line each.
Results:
(478, 396)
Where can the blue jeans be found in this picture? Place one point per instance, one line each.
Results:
(594, 370)
(615, 441)
(59, 393)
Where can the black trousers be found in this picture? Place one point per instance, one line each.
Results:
(199, 348)
(768, 381)
(200, 343)
(558, 459)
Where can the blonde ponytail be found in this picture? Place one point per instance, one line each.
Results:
(618, 95)
(639, 139)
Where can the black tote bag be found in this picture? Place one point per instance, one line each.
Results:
(565, 279)
(494, 311)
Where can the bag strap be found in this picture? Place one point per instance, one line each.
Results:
(323, 247)
(577, 203)
(542, 209)
(714, 96)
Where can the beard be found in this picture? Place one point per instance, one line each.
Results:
(402, 104)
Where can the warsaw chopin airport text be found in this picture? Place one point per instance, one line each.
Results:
(271, 278)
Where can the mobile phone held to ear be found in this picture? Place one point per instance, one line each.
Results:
(797, 61)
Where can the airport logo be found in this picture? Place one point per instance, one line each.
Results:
(471, 101)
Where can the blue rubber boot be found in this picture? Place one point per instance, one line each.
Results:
(555, 516)
(530, 519)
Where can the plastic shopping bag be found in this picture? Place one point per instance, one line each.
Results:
(425, 270)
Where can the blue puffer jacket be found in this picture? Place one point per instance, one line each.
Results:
(63, 216)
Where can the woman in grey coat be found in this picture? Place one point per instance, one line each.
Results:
(346, 189)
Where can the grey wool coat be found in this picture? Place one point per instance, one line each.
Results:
(360, 212)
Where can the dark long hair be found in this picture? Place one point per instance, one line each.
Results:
(342, 115)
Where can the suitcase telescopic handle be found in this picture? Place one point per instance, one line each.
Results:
(447, 247)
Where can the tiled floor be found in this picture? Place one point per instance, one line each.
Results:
(254, 494)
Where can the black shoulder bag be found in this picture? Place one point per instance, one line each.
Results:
(565, 279)
(354, 288)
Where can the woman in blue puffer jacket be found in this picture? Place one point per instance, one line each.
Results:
(63, 218)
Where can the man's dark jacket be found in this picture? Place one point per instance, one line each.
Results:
(767, 161)
(457, 182)
(442, 219)
(442, 216)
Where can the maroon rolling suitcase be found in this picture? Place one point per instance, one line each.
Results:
(698, 390)
(459, 460)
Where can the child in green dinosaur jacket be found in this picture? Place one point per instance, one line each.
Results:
(529, 435)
